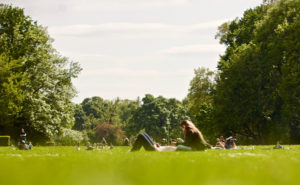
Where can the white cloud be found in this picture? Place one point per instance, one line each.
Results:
(119, 72)
(194, 49)
(132, 29)
(59, 6)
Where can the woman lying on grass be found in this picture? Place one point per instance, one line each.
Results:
(193, 140)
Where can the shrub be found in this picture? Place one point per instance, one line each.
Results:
(70, 137)
(112, 133)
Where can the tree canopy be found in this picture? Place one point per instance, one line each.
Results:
(35, 81)
(257, 95)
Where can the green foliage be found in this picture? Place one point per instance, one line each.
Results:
(200, 98)
(257, 95)
(93, 111)
(154, 114)
(70, 137)
(36, 87)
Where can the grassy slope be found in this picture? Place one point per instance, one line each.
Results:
(66, 166)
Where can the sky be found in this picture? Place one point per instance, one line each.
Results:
(129, 48)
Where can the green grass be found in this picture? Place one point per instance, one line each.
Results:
(66, 166)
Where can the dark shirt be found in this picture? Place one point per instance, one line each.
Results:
(193, 140)
(23, 136)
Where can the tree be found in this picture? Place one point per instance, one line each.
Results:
(112, 133)
(37, 83)
(257, 73)
(200, 98)
(154, 114)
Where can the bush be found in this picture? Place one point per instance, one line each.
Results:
(70, 137)
(112, 133)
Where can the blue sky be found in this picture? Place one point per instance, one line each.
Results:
(128, 48)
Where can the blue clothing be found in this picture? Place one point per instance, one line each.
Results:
(143, 140)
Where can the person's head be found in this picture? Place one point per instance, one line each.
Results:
(221, 138)
(22, 129)
(218, 140)
(188, 127)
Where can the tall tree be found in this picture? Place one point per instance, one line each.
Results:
(259, 67)
(200, 99)
(36, 74)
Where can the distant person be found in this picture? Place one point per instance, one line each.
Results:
(173, 142)
(179, 141)
(193, 140)
(111, 146)
(78, 146)
(278, 146)
(104, 143)
(24, 146)
(23, 135)
(219, 144)
(30, 145)
(230, 143)
(222, 140)
(89, 146)
(126, 142)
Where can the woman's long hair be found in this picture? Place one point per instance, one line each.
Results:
(190, 129)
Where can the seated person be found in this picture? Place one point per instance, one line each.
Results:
(278, 146)
(179, 141)
(111, 146)
(126, 142)
(78, 146)
(230, 143)
(103, 143)
(24, 146)
(173, 142)
(219, 144)
(89, 146)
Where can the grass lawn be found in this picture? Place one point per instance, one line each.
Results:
(66, 166)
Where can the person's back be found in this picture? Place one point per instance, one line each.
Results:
(193, 140)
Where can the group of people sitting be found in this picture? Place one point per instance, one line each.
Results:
(228, 143)
(96, 146)
(193, 140)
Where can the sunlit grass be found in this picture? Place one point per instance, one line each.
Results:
(66, 166)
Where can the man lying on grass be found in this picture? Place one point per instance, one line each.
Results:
(193, 140)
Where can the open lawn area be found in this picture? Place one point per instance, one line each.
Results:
(66, 166)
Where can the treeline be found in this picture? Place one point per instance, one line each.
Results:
(254, 95)
(157, 116)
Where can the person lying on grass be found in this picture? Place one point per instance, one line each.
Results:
(193, 140)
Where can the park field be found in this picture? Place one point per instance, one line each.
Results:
(66, 166)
